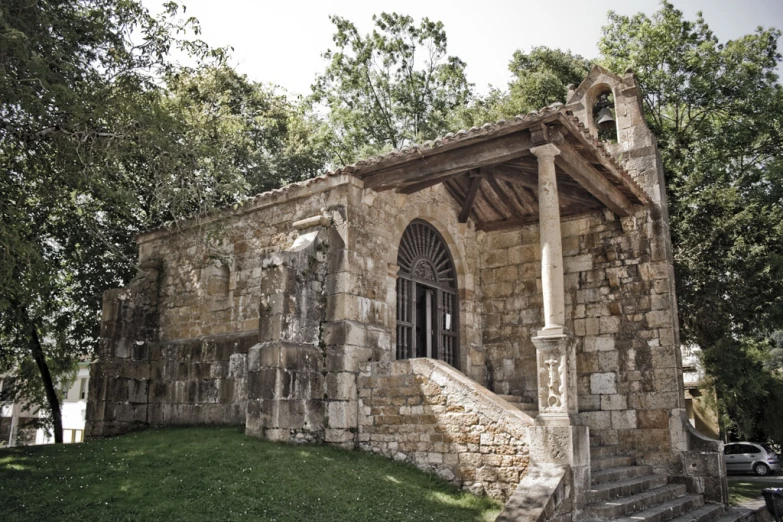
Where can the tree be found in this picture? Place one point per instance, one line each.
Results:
(101, 138)
(388, 89)
(250, 128)
(539, 78)
(717, 111)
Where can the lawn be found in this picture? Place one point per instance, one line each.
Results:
(219, 474)
(741, 490)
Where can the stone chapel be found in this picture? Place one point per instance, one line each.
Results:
(496, 306)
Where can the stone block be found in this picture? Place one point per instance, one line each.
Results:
(603, 383)
(599, 344)
(614, 402)
(652, 419)
(624, 420)
(342, 414)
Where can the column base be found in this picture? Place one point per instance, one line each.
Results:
(556, 362)
(555, 419)
(552, 331)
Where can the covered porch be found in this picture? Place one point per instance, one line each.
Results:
(534, 169)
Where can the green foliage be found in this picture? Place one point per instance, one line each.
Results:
(388, 89)
(217, 473)
(540, 78)
(543, 76)
(235, 125)
(717, 111)
(103, 136)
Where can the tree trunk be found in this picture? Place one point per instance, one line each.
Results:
(46, 378)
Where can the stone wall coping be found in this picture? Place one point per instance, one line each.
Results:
(535, 499)
(292, 192)
(442, 374)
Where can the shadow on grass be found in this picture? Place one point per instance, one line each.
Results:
(741, 491)
(202, 473)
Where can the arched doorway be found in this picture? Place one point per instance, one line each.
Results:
(427, 307)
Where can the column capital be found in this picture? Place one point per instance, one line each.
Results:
(547, 150)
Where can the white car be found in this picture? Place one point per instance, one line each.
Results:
(746, 457)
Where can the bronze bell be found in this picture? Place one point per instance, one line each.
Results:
(605, 119)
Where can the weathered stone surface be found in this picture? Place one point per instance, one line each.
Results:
(424, 412)
(269, 315)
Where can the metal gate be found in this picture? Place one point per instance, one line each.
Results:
(427, 305)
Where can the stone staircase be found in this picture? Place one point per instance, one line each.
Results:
(626, 492)
(522, 403)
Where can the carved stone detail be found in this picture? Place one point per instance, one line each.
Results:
(556, 359)
(424, 270)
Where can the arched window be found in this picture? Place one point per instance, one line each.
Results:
(427, 307)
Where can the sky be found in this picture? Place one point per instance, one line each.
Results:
(281, 41)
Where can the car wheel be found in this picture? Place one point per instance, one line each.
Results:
(761, 469)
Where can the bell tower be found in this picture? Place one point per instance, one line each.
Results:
(604, 96)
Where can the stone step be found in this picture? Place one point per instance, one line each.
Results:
(706, 513)
(602, 463)
(667, 510)
(618, 474)
(625, 506)
(526, 406)
(625, 488)
(604, 451)
(738, 514)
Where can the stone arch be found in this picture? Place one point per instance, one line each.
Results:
(457, 249)
(427, 304)
(590, 99)
(449, 231)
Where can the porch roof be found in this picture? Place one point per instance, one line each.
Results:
(493, 176)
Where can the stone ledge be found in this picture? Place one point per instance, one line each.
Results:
(539, 495)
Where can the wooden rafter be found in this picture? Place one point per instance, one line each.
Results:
(592, 180)
(513, 208)
(531, 182)
(475, 184)
(456, 161)
(415, 187)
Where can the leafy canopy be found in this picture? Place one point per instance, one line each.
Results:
(539, 78)
(102, 136)
(388, 89)
(717, 111)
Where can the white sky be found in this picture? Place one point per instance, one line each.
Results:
(282, 41)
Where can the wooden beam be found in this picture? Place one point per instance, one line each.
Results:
(415, 187)
(507, 223)
(513, 209)
(529, 181)
(633, 188)
(469, 199)
(570, 161)
(455, 161)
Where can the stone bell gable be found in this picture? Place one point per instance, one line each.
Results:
(496, 306)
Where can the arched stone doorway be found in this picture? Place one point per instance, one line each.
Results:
(427, 306)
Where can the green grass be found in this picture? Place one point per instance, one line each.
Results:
(219, 474)
(740, 491)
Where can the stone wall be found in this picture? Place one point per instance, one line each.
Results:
(377, 223)
(424, 412)
(175, 341)
(212, 269)
(286, 398)
(199, 381)
(619, 307)
(120, 378)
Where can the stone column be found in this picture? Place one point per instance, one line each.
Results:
(557, 439)
(551, 241)
(555, 350)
